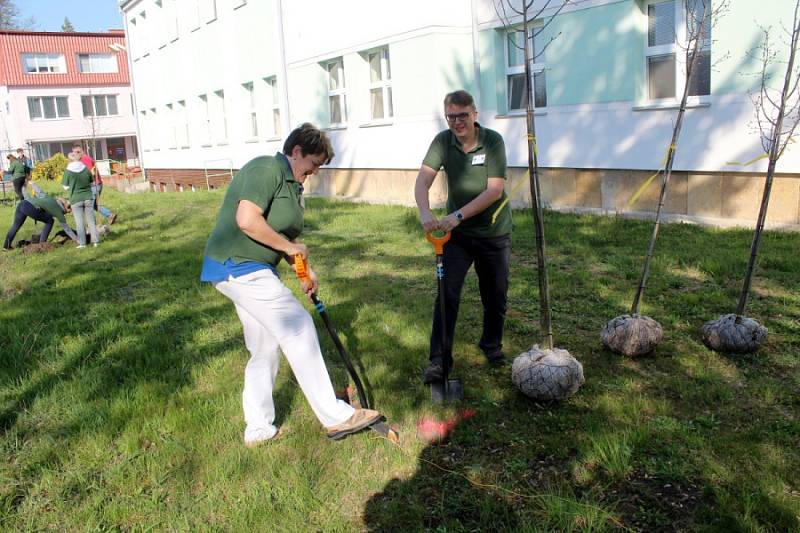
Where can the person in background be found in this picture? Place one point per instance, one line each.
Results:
(257, 226)
(78, 181)
(26, 162)
(18, 174)
(474, 158)
(97, 183)
(42, 208)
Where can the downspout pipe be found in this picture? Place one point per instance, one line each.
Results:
(135, 110)
(285, 112)
(476, 54)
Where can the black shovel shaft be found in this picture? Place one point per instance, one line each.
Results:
(342, 352)
(440, 280)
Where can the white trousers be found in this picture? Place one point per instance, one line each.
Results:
(273, 319)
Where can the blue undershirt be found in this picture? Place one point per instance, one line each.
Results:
(214, 271)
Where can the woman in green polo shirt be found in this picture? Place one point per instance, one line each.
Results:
(42, 209)
(17, 170)
(258, 224)
(78, 181)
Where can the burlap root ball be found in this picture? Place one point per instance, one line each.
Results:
(632, 335)
(734, 334)
(547, 374)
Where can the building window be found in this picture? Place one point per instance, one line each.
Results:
(337, 100)
(380, 84)
(220, 117)
(99, 105)
(516, 85)
(155, 130)
(44, 63)
(97, 63)
(208, 10)
(172, 125)
(274, 108)
(183, 131)
(205, 117)
(251, 113)
(145, 127)
(48, 107)
(670, 24)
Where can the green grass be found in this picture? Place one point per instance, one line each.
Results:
(121, 375)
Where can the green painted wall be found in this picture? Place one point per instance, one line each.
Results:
(737, 36)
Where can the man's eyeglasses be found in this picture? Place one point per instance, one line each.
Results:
(460, 117)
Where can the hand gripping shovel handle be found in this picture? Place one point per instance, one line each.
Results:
(301, 269)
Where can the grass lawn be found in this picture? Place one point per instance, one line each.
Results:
(121, 376)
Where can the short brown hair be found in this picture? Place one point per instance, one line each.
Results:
(460, 97)
(310, 140)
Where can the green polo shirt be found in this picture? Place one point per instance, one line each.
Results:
(50, 205)
(267, 182)
(17, 169)
(79, 185)
(468, 176)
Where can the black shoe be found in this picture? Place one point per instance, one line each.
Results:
(497, 359)
(434, 373)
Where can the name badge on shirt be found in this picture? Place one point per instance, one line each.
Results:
(478, 159)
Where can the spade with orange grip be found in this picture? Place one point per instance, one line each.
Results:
(447, 389)
(380, 427)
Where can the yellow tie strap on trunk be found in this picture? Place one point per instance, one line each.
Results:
(648, 181)
(513, 191)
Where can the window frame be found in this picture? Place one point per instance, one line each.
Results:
(59, 57)
(539, 66)
(676, 50)
(205, 117)
(340, 92)
(93, 98)
(384, 83)
(220, 118)
(250, 111)
(89, 56)
(41, 107)
(273, 106)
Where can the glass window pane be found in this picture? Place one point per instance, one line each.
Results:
(516, 91)
(100, 105)
(516, 55)
(335, 110)
(387, 64)
(661, 23)
(389, 102)
(34, 107)
(376, 102)
(375, 67)
(334, 71)
(84, 63)
(253, 125)
(112, 104)
(694, 15)
(49, 105)
(276, 121)
(62, 106)
(539, 89)
(86, 104)
(700, 79)
(661, 77)
(30, 64)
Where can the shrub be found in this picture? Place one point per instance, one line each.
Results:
(52, 169)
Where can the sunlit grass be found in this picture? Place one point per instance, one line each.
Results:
(120, 386)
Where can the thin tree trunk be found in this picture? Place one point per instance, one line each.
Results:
(774, 155)
(673, 145)
(545, 319)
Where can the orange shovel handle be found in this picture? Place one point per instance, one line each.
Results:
(301, 268)
(438, 242)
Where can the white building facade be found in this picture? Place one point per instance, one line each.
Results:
(218, 82)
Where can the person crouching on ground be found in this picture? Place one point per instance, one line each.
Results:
(78, 181)
(474, 158)
(258, 224)
(42, 209)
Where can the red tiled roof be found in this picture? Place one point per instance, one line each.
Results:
(15, 43)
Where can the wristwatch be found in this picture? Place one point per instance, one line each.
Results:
(459, 215)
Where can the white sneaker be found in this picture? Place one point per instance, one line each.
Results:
(81, 246)
(256, 436)
(94, 244)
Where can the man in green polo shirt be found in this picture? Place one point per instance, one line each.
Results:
(474, 160)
